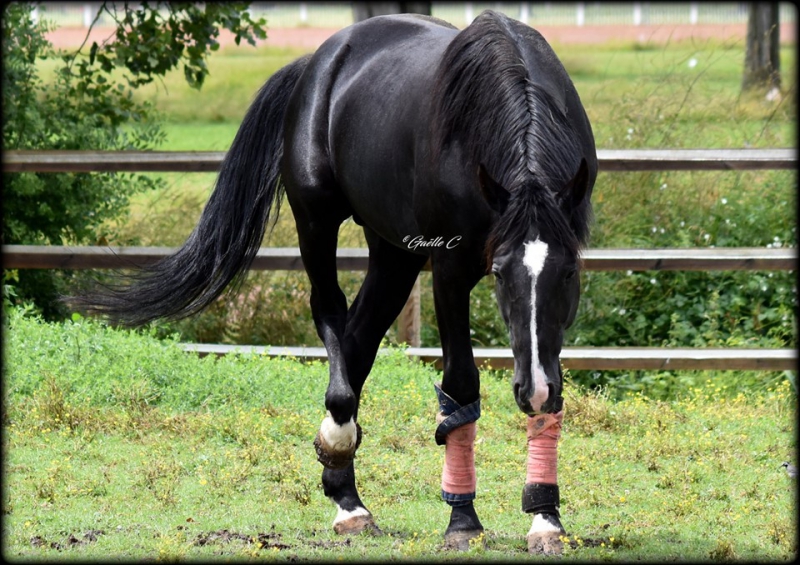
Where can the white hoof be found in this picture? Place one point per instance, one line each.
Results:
(544, 537)
(354, 521)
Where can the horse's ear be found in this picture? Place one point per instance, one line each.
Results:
(574, 191)
(494, 193)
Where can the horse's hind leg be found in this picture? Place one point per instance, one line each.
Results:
(318, 213)
(390, 277)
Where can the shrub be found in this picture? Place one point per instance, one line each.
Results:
(90, 105)
(57, 209)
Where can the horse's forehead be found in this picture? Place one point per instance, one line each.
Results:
(537, 253)
(534, 256)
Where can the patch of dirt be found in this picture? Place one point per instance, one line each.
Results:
(330, 544)
(71, 540)
(590, 542)
(267, 540)
(220, 536)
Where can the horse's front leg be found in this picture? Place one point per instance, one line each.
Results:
(459, 406)
(540, 495)
(456, 430)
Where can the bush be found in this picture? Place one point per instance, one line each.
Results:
(61, 209)
(90, 105)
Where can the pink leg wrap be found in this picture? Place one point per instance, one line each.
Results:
(458, 475)
(543, 433)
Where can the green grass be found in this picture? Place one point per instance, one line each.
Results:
(119, 444)
(622, 85)
(122, 446)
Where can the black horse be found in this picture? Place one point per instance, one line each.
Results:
(470, 149)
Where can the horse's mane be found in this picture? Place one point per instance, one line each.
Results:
(485, 100)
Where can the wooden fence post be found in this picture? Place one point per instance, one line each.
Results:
(408, 322)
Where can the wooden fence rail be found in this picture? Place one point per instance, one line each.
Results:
(610, 160)
(593, 358)
(608, 358)
(356, 259)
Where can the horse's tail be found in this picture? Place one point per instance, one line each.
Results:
(225, 241)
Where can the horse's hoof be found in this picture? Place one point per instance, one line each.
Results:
(335, 460)
(464, 540)
(357, 525)
(545, 543)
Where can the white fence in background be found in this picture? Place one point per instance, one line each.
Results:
(340, 14)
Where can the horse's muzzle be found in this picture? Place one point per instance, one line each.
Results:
(533, 400)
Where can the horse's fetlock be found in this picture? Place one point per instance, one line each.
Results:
(339, 437)
(336, 444)
(341, 404)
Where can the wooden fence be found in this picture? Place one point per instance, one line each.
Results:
(59, 257)
(610, 160)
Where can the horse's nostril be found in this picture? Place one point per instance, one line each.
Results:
(551, 391)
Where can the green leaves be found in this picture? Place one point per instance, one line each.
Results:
(153, 39)
(93, 53)
(90, 105)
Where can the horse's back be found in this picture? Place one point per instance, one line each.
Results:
(357, 112)
(366, 76)
(360, 120)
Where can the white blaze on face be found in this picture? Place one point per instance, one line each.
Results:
(535, 255)
(338, 438)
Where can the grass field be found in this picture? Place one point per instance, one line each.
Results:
(122, 446)
(119, 445)
(682, 85)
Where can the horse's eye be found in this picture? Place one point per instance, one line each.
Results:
(570, 274)
(497, 275)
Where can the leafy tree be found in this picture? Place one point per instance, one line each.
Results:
(88, 107)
